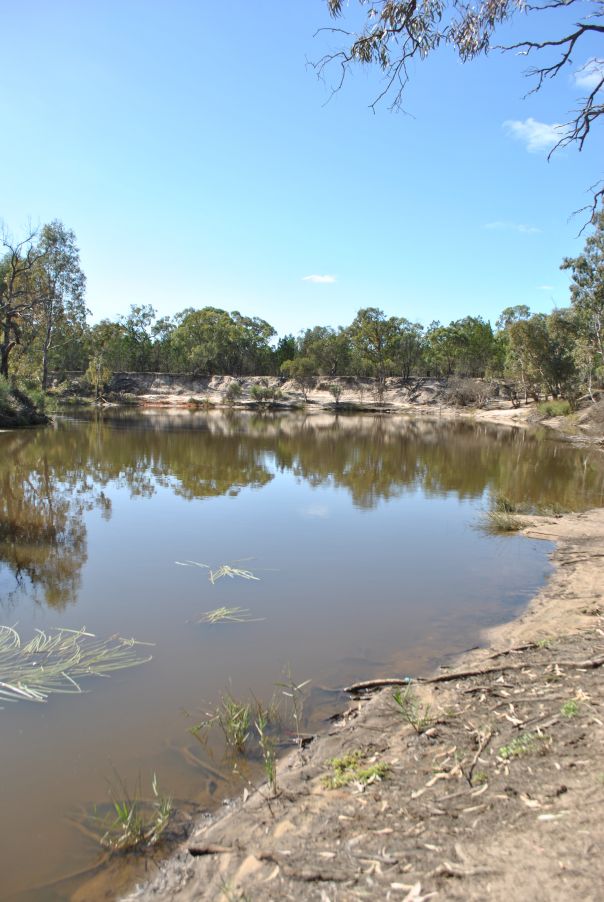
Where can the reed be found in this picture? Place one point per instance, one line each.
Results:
(53, 662)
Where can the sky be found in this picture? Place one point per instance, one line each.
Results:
(200, 161)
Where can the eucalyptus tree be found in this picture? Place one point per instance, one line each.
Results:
(392, 35)
(60, 288)
(18, 297)
(587, 299)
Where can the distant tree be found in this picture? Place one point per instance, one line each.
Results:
(329, 350)
(60, 287)
(541, 353)
(375, 339)
(286, 350)
(97, 375)
(587, 299)
(302, 371)
(18, 296)
(409, 347)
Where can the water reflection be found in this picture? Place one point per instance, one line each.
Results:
(50, 478)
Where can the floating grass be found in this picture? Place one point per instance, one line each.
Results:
(53, 662)
(228, 615)
(219, 572)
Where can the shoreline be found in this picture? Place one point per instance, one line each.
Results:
(301, 843)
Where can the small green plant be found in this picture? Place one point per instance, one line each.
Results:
(556, 408)
(267, 747)
(134, 823)
(500, 521)
(411, 710)
(525, 744)
(544, 643)
(479, 778)
(570, 708)
(293, 691)
(347, 770)
(234, 719)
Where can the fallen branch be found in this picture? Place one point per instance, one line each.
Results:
(369, 685)
(209, 849)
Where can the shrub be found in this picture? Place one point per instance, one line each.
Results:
(555, 408)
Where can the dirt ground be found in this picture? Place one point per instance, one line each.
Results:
(485, 782)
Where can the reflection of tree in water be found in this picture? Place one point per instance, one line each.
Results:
(50, 478)
(42, 531)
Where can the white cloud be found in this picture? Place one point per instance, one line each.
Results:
(505, 226)
(545, 287)
(590, 74)
(319, 280)
(316, 510)
(536, 135)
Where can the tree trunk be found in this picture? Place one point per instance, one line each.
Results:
(45, 350)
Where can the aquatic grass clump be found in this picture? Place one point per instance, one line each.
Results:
(234, 719)
(228, 615)
(53, 662)
(501, 521)
(133, 824)
(219, 572)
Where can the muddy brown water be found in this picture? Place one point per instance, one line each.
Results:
(364, 532)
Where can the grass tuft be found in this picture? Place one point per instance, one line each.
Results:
(411, 710)
(501, 521)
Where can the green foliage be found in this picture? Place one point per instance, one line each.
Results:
(348, 769)
(265, 394)
(587, 298)
(233, 392)
(98, 374)
(555, 408)
(524, 744)
(234, 719)
(302, 371)
(570, 708)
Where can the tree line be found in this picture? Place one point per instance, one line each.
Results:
(44, 327)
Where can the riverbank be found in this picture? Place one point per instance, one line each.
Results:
(486, 782)
(17, 411)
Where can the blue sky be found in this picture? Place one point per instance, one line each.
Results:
(200, 161)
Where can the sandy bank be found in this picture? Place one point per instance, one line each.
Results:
(495, 782)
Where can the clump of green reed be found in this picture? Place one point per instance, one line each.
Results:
(53, 662)
(267, 748)
(234, 719)
(135, 824)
